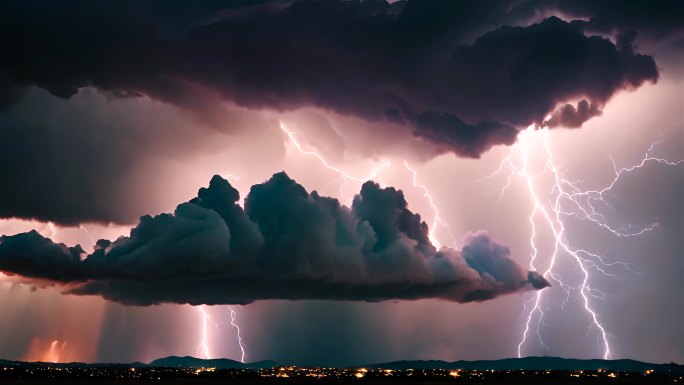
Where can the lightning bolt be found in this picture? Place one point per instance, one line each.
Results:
(233, 322)
(54, 354)
(203, 345)
(204, 342)
(344, 176)
(375, 174)
(53, 230)
(437, 218)
(549, 212)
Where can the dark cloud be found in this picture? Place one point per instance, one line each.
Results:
(38, 257)
(78, 161)
(61, 162)
(10, 92)
(379, 61)
(97, 159)
(570, 116)
(516, 75)
(655, 19)
(286, 244)
(445, 72)
(465, 139)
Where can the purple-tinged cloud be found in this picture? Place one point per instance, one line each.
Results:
(569, 116)
(370, 59)
(653, 18)
(286, 244)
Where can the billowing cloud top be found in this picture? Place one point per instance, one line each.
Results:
(285, 244)
(460, 74)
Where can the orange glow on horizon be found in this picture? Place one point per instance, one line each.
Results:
(39, 350)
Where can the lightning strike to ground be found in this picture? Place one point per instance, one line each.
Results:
(203, 346)
(204, 342)
(55, 353)
(550, 212)
(233, 322)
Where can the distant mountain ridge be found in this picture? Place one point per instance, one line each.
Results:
(167, 362)
(218, 363)
(526, 363)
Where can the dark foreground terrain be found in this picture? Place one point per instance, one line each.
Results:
(44, 373)
(191, 370)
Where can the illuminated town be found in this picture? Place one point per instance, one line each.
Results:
(29, 373)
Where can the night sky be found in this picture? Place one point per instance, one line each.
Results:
(341, 182)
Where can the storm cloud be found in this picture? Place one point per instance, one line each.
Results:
(660, 18)
(285, 244)
(378, 61)
(96, 159)
(570, 116)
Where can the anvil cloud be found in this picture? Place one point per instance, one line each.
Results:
(286, 244)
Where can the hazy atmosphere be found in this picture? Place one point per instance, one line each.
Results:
(341, 182)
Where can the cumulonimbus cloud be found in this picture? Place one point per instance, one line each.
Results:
(286, 244)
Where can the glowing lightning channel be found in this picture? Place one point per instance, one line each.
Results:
(233, 322)
(53, 230)
(568, 200)
(375, 174)
(343, 174)
(437, 219)
(204, 344)
(589, 212)
(552, 217)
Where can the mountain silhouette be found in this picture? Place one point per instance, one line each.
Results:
(218, 363)
(526, 363)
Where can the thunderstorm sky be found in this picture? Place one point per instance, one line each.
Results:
(210, 159)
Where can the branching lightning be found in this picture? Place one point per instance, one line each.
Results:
(549, 212)
(203, 346)
(376, 174)
(437, 219)
(343, 175)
